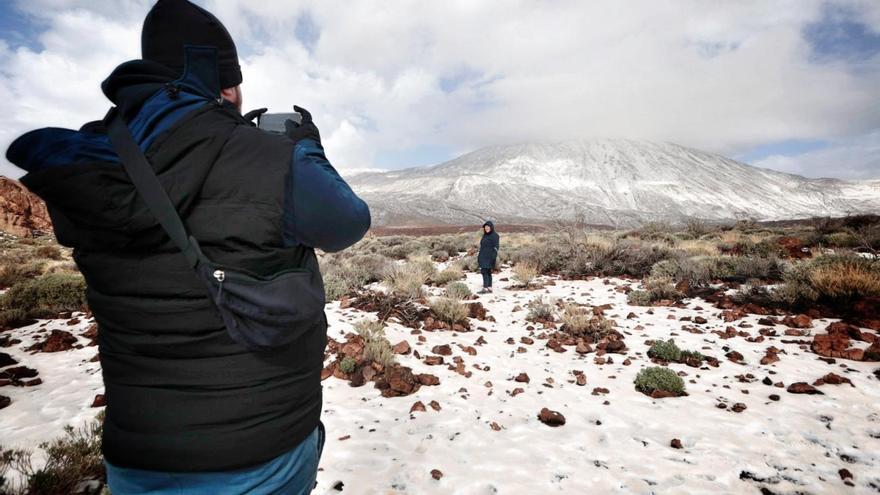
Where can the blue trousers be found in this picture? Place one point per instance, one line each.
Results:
(487, 276)
(292, 473)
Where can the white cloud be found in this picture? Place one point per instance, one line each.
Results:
(851, 158)
(723, 77)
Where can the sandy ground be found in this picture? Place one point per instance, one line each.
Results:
(617, 442)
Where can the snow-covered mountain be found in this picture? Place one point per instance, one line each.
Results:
(609, 182)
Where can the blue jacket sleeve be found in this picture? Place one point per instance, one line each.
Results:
(321, 210)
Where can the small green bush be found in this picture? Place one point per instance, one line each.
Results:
(449, 310)
(457, 290)
(659, 378)
(639, 298)
(665, 350)
(348, 364)
(47, 295)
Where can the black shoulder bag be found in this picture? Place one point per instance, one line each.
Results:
(259, 312)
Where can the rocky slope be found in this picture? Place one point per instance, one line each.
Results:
(21, 212)
(609, 182)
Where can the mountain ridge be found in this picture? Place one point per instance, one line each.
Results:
(610, 181)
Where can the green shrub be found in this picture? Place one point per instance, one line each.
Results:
(48, 294)
(348, 364)
(639, 298)
(449, 310)
(665, 350)
(659, 378)
(457, 290)
(540, 310)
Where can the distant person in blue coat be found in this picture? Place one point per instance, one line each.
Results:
(488, 254)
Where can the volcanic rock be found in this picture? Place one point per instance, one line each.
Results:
(551, 418)
(803, 388)
(57, 341)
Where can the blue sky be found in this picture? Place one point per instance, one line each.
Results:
(789, 84)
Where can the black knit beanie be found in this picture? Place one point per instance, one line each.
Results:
(172, 24)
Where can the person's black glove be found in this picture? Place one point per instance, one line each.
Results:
(304, 130)
(253, 114)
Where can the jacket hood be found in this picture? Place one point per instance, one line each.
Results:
(490, 224)
(77, 172)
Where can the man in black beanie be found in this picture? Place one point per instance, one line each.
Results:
(190, 407)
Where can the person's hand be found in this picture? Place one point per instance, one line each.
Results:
(253, 114)
(304, 130)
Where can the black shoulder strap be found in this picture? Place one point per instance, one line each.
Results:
(147, 184)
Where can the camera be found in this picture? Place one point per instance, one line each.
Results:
(275, 121)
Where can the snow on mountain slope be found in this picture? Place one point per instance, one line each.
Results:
(613, 182)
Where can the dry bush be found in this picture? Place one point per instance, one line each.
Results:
(450, 274)
(834, 279)
(525, 273)
(449, 310)
(70, 460)
(458, 290)
(540, 310)
(12, 274)
(579, 321)
(847, 279)
(406, 279)
(49, 252)
(376, 346)
(47, 295)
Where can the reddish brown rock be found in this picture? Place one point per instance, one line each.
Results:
(476, 310)
(100, 401)
(799, 321)
(600, 391)
(803, 388)
(418, 406)
(675, 443)
(436, 474)
(516, 392)
(4, 401)
(18, 373)
(551, 418)
(401, 347)
(428, 379)
(771, 356)
(400, 381)
(738, 407)
(57, 341)
(434, 405)
(22, 212)
(443, 350)
(522, 378)
(734, 356)
(832, 379)
(433, 360)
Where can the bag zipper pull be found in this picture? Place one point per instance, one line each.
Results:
(220, 275)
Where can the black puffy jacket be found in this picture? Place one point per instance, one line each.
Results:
(489, 245)
(181, 394)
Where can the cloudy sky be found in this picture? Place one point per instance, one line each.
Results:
(792, 85)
